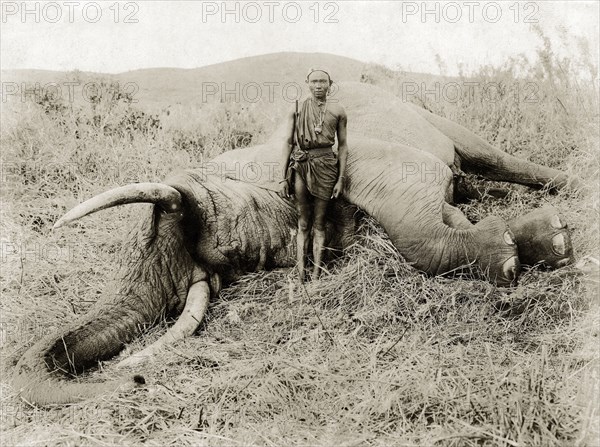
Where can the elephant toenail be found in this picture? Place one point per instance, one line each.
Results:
(555, 221)
(510, 268)
(509, 238)
(558, 244)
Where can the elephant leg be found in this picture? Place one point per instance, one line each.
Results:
(543, 238)
(495, 164)
(479, 157)
(411, 209)
(453, 217)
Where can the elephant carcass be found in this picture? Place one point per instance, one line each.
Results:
(226, 218)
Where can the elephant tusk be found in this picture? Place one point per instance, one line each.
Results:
(165, 196)
(189, 320)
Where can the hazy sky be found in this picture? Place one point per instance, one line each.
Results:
(115, 37)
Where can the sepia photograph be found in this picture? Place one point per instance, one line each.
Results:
(300, 223)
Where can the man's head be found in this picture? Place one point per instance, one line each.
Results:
(318, 82)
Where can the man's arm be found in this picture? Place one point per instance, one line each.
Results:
(342, 153)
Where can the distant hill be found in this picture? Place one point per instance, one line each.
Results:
(239, 79)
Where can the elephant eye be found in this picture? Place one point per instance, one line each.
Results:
(508, 238)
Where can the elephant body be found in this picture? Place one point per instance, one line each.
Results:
(209, 225)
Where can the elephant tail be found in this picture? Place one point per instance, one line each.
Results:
(46, 372)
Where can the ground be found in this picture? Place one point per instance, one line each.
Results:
(374, 353)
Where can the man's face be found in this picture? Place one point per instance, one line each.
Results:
(318, 84)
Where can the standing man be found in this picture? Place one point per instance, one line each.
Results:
(310, 169)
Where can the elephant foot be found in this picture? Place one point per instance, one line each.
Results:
(543, 238)
(498, 258)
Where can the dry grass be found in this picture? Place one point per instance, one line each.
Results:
(374, 353)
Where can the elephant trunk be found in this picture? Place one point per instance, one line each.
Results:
(99, 335)
(155, 275)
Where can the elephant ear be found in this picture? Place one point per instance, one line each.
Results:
(258, 165)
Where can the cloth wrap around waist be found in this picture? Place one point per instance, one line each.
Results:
(312, 158)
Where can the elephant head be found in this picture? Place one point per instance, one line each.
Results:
(154, 280)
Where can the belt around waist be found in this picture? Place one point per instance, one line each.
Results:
(319, 150)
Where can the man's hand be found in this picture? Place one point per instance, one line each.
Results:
(285, 189)
(338, 188)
